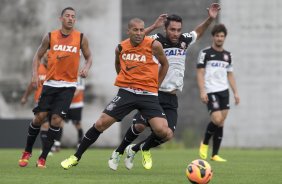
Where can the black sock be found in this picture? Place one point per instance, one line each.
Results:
(89, 138)
(52, 134)
(43, 137)
(129, 137)
(59, 135)
(33, 131)
(217, 140)
(209, 132)
(136, 148)
(80, 135)
(152, 141)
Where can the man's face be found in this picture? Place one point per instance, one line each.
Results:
(68, 19)
(136, 32)
(173, 31)
(218, 39)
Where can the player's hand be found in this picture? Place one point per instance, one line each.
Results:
(213, 10)
(237, 99)
(23, 100)
(160, 21)
(204, 97)
(83, 73)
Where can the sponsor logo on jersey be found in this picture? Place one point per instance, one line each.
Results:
(129, 68)
(175, 52)
(133, 57)
(219, 64)
(65, 48)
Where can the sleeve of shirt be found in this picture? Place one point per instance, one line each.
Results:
(191, 37)
(201, 62)
(230, 66)
(154, 36)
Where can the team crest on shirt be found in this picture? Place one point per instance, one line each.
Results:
(225, 57)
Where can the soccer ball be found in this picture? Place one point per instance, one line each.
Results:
(199, 172)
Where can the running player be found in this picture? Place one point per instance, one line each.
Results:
(64, 47)
(139, 77)
(214, 75)
(175, 44)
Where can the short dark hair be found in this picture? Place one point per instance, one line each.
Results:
(65, 9)
(219, 28)
(172, 17)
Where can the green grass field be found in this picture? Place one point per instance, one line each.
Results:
(243, 167)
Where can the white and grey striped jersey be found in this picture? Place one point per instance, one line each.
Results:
(176, 55)
(216, 65)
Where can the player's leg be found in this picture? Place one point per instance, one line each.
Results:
(33, 131)
(59, 108)
(138, 126)
(119, 107)
(215, 114)
(218, 135)
(40, 113)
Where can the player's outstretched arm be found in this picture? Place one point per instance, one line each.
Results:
(212, 14)
(157, 24)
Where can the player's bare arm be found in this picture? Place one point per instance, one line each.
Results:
(26, 94)
(117, 61)
(212, 12)
(88, 57)
(157, 24)
(233, 86)
(201, 85)
(158, 52)
(37, 57)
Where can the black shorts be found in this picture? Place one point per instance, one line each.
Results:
(74, 115)
(55, 100)
(169, 103)
(218, 101)
(126, 101)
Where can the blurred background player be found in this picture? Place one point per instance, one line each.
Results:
(175, 45)
(214, 75)
(64, 46)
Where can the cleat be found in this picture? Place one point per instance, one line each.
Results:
(114, 160)
(25, 158)
(130, 154)
(41, 163)
(203, 151)
(217, 158)
(146, 159)
(69, 162)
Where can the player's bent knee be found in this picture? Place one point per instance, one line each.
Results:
(139, 127)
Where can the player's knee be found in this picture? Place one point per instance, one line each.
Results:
(56, 120)
(169, 135)
(139, 127)
(39, 119)
(218, 120)
(161, 131)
